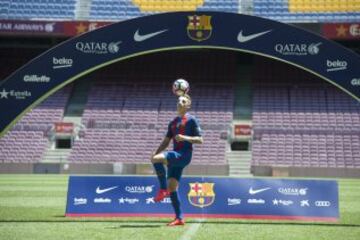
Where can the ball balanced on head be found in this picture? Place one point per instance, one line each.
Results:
(180, 87)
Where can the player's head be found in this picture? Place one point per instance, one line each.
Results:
(183, 104)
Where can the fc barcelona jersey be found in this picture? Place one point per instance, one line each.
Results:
(186, 125)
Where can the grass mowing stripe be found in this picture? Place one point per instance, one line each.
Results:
(32, 201)
(191, 231)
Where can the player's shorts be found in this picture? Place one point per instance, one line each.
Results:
(177, 161)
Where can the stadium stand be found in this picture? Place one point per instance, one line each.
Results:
(133, 119)
(117, 10)
(302, 121)
(38, 9)
(308, 10)
(28, 139)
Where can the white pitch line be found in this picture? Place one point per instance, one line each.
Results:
(192, 230)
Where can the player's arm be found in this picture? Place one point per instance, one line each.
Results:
(191, 139)
(164, 144)
(196, 136)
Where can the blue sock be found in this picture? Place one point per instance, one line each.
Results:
(161, 174)
(175, 201)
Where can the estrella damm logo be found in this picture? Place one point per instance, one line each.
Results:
(201, 194)
(199, 27)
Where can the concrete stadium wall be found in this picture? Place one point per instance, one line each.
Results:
(87, 168)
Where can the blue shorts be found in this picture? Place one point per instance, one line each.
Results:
(177, 161)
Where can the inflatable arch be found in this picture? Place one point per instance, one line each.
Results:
(72, 59)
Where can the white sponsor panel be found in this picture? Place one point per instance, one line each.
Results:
(102, 200)
(304, 203)
(62, 62)
(322, 203)
(297, 49)
(255, 201)
(98, 47)
(233, 201)
(242, 38)
(80, 201)
(18, 95)
(278, 202)
(354, 30)
(293, 191)
(128, 200)
(336, 65)
(253, 191)
(100, 190)
(36, 78)
(142, 37)
(139, 189)
(355, 82)
(151, 200)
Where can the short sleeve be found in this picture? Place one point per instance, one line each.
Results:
(169, 133)
(196, 128)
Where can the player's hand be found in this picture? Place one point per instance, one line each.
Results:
(180, 138)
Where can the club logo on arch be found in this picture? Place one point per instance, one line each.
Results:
(201, 194)
(199, 27)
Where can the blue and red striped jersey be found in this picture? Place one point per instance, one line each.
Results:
(187, 125)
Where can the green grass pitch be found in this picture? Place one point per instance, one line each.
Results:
(33, 207)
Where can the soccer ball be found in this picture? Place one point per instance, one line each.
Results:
(180, 87)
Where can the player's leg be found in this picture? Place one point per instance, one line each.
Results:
(173, 185)
(158, 162)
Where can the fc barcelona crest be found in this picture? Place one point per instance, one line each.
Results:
(199, 27)
(201, 194)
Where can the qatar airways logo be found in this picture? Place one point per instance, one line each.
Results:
(294, 49)
(98, 47)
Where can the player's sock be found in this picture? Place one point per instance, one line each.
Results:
(161, 174)
(175, 201)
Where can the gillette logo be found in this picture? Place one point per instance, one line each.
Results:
(36, 79)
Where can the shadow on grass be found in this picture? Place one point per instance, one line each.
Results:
(143, 223)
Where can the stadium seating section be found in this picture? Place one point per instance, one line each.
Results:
(126, 122)
(28, 139)
(117, 10)
(302, 121)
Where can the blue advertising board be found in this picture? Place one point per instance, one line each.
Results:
(72, 59)
(210, 197)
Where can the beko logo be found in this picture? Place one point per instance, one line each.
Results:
(62, 62)
(298, 49)
(322, 204)
(336, 65)
(98, 47)
(36, 79)
(80, 201)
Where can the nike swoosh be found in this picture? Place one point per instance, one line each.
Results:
(139, 38)
(241, 38)
(252, 191)
(100, 191)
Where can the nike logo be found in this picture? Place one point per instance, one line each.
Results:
(252, 191)
(139, 38)
(100, 191)
(241, 38)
